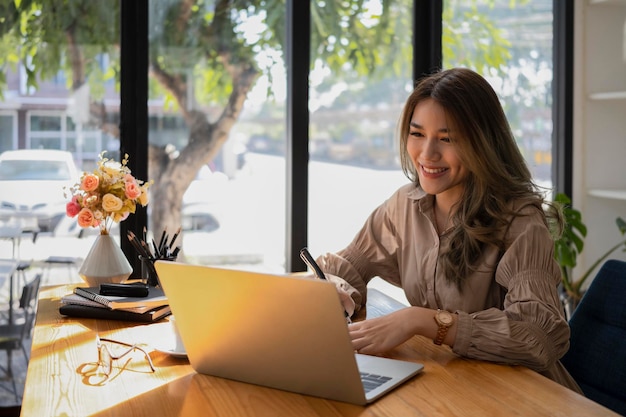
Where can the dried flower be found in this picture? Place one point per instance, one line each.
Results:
(107, 195)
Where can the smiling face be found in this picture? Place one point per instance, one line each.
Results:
(434, 156)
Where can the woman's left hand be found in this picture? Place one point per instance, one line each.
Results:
(381, 334)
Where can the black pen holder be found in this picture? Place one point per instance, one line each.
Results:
(148, 272)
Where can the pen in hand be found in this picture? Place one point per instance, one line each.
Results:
(308, 259)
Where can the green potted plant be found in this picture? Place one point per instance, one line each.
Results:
(569, 245)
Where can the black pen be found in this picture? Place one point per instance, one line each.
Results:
(308, 259)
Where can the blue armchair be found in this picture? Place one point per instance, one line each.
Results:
(597, 355)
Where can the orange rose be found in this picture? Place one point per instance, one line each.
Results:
(90, 182)
(85, 218)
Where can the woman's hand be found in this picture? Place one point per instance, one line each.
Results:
(381, 334)
(346, 300)
(342, 289)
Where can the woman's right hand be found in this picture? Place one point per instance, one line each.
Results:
(344, 295)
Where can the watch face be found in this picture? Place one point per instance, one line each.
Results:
(444, 317)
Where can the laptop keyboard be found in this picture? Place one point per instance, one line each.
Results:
(372, 381)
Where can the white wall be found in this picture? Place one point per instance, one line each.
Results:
(599, 178)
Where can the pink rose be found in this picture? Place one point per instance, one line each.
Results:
(132, 189)
(85, 218)
(90, 182)
(72, 208)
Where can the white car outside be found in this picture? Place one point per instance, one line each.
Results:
(203, 201)
(32, 185)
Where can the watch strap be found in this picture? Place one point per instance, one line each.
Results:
(442, 331)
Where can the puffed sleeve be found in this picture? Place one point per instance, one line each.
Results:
(371, 253)
(531, 330)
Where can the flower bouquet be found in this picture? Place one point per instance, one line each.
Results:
(107, 195)
(103, 197)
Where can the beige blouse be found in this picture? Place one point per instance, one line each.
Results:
(509, 311)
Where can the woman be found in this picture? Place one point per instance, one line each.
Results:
(468, 240)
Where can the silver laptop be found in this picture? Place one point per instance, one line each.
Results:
(277, 331)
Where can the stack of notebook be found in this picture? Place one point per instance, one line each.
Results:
(88, 302)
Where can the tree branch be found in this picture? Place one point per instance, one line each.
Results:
(76, 58)
(174, 85)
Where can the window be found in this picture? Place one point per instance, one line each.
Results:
(354, 162)
(518, 66)
(47, 131)
(234, 210)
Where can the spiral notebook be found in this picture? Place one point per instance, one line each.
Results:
(277, 331)
(155, 298)
(75, 299)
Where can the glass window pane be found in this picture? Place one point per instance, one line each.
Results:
(66, 99)
(216, 136)
(354, 152)
(510, 43)
(40, 123)
(29, 171)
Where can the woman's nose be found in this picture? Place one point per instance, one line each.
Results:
(431, 149)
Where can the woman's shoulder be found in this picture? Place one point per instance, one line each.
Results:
(527, 207)
(527, 216)
(403, 199)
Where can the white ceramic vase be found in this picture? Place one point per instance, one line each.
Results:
(105, 263)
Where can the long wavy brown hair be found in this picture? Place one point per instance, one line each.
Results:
(498, 173)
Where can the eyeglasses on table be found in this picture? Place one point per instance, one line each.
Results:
(106, 358)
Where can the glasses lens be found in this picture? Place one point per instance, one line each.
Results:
(107, 354)
(104, 359)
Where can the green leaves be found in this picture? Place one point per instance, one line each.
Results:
(570, 244)
(472, 39)
(621, 225)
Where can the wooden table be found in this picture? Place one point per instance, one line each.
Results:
(63, 349)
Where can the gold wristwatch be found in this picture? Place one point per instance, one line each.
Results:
(444, 320)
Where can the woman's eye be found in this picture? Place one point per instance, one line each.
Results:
(446, 139)
(416, 134)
